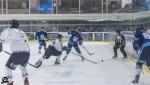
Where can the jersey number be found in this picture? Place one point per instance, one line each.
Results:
(75, 39)
(42, 37)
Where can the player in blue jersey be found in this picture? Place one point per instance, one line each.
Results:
(41, 36)
(74, 41)
(142, 44)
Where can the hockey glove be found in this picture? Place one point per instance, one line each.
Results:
(64, 48)
(135, 46)
(80, 42)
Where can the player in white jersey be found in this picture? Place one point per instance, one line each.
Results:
(20, 51)
(53, 50)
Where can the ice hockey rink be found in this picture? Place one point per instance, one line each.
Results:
(75, 72)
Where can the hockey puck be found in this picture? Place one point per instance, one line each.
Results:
(102, 60)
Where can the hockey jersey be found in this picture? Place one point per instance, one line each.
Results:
(120, 40)
(17, 38)
(141, 38)
(57, 44)
(75, 38)
(41, 36)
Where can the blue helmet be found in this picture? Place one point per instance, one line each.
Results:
(118, 31)
(140, 29)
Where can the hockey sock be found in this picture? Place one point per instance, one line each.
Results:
(137, 77)
(9, 74)
(24, 72)
(138, 71)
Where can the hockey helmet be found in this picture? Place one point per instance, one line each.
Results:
(14, 24)
(118, 31)
(140, 29)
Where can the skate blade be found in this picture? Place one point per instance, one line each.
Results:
(134, 84)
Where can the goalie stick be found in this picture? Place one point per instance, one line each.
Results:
(85, 58)
(87, 51)
(27, 63)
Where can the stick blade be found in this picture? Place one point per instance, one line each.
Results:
(33, 65)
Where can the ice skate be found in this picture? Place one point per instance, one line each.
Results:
(114, 57)
(38, 63)
(136, 80)
(57, 63)
(26, 81)
(124, 57)
(10, 83)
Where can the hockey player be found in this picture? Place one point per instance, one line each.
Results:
(75, 40)
(120, 42)
(20, 51)
(41, 36)
(141, 43)
(53, 50)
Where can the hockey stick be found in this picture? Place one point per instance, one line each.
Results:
(33, 65)
(87, 51)
(85, 58)
(27, 63)
(6, 52)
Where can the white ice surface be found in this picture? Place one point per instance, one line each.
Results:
(75, 72)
